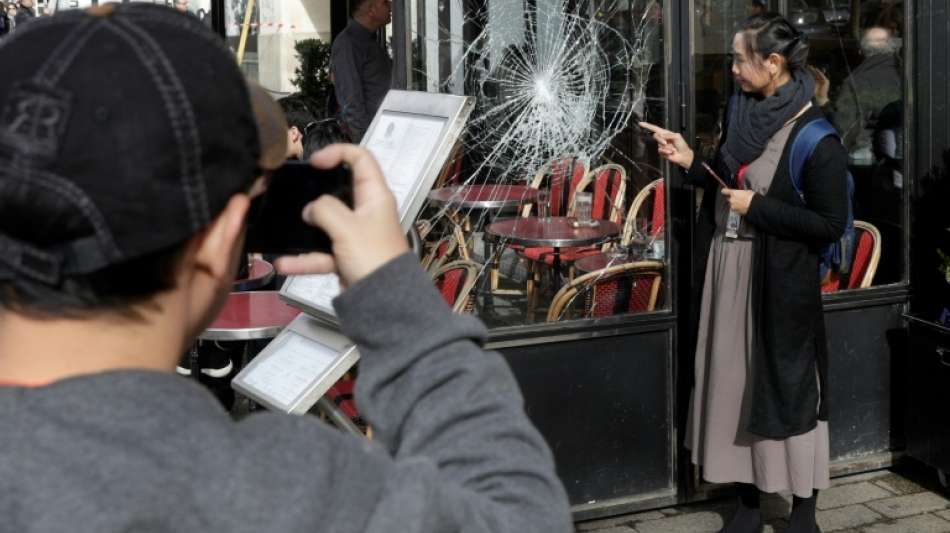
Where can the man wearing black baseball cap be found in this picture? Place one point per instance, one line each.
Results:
(129, 147)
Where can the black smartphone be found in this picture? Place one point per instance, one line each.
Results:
(274, 221)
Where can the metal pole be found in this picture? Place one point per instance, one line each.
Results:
(245, 29)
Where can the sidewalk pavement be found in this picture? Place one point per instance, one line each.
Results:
(902, 500)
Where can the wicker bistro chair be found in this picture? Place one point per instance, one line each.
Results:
(560, 176)
(654, 222)
(867, 255)
(450, 246)
(455, 281)
(618, 289)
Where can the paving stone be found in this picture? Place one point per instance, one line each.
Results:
(901, 506)
(852, 516)
(598, 525)
(899, 485)
(702, 522)
(857, 478)
(617, 529)
(943, 514)
(843, 495)
(649, 515)
(925, 523)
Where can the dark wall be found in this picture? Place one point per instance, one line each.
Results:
(867, 357)
(603, 405)
(930, 214)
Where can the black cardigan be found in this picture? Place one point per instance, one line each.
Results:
(789, 340)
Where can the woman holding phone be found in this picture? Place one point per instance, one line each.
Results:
(758, 415)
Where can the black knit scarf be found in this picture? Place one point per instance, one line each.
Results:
(754, 119)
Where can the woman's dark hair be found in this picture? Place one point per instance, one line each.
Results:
(771, 33)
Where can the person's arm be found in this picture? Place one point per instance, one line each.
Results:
(825, 187)
(461, 455)
(446, 409)
(348, 88)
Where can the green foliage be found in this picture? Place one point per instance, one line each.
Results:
(312, 77)
(944, 266)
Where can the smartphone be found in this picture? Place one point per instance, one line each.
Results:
(274, 221)
(715, 176)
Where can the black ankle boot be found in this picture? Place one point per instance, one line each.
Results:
(802, 519)
(748, 515)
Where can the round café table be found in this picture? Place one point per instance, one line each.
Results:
(246, 316)
(260, 273)
(554, 232)
(250, 315)
(487, 196)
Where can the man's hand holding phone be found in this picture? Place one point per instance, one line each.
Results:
(365, 237)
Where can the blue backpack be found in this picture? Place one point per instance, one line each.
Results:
(836, 256)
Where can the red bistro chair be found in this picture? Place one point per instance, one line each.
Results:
(455, 281)
(867, 255)
(618, 289)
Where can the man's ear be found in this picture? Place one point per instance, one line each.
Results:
(216, 249)
(295, 134)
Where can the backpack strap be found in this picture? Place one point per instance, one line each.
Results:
(803, 146)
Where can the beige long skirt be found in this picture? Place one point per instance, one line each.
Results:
(719, 407)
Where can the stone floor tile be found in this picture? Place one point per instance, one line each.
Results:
(617, 529)
(899, 485)
(702, 522)
(852, 516)
(604, 523)
(649, 515)
(901, 506)
(924, 523)
(851, 494)
(857, 478)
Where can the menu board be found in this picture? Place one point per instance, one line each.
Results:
(411, 137)
(297, 367)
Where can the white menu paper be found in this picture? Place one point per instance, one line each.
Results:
(285, 375)
(403, 144)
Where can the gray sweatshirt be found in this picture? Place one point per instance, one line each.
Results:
(147, 451)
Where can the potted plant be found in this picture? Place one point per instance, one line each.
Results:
(312, 76)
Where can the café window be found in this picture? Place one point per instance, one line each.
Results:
(552, 204)
(857, 50)
(271, 38)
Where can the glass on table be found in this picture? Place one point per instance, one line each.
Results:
(543, 202)
(583, 206)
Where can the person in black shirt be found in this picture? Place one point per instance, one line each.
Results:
(361, 68)
(25, 13)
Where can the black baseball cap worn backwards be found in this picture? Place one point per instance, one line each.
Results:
(138, 117)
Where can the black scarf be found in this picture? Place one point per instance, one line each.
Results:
(754, 119)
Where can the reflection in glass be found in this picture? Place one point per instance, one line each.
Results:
(856, 51)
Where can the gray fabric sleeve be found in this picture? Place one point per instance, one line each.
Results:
(349, 87)
(448, 412)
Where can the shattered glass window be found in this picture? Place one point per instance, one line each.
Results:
(551, 201)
